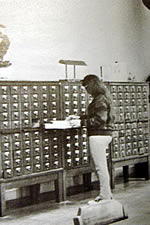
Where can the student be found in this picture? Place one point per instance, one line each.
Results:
(99, 121)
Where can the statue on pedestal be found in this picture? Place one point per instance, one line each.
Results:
(4, 45)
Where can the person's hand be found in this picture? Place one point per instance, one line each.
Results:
(72, 117)
(74, 120)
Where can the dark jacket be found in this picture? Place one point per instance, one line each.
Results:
(100, 117)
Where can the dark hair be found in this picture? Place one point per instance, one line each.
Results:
(98, 85)
(88, 78)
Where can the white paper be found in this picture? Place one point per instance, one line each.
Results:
(60, 124)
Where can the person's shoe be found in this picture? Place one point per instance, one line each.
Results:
(92, 202)
(95, 201)
(98, 199)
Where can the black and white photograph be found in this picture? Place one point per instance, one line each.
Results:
(74, 112)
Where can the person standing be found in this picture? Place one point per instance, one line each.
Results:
(99, 120)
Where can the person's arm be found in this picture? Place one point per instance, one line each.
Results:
(101, 115)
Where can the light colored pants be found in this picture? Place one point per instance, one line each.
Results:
(98, 146)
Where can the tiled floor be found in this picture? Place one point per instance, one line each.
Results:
(135, 195)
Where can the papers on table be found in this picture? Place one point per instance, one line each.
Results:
(63, 124)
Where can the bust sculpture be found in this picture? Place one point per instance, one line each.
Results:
(4, 45)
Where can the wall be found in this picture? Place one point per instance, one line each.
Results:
(145, 32)
(42, 32)
(126, 36)
(98, 32)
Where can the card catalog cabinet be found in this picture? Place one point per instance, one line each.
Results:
(27, 149)
(131, 131)
(74, 102)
